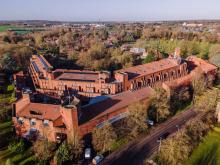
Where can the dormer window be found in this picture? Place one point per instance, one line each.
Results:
(46, 122)
(32, 112)
(33, 122)
(20, 120)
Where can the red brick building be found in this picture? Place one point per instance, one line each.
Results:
(89, 84)
(65, 121)
(126, 87)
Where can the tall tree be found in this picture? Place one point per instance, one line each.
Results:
(136, 120)
(103, 138)
(198, 82)
(160, 105)
(175, 150)
(68, 152)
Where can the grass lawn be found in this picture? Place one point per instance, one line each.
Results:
(5, 27)
(208, 152)
(24, 158)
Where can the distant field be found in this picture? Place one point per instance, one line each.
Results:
(5, 27)
(18, 30)
(208, 152)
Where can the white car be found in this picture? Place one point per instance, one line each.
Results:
(97, 159)
(150, 122)
(88, 153)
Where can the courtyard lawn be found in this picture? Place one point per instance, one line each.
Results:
(208, 152)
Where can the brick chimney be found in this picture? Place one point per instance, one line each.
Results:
(20, 104)
(70, 115)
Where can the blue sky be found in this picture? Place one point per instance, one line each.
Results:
(109, 10)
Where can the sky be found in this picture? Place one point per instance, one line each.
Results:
(109, 10)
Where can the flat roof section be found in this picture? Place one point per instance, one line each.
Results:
(79, 76)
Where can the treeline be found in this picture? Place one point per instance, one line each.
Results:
(99, 49)
(177, 33)
(176, 149)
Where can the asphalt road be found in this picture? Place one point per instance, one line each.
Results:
(137, 152)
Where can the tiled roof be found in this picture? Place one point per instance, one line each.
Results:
(58, 122)
(149, 68)
(182, 81)
(114, 103)
(41, 111)
(205, 66)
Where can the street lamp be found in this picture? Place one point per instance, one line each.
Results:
(177, 126)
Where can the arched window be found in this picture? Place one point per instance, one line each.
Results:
(165, 76)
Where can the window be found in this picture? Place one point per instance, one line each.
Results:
(35, 112)
(165, 76)
(33, 122)
(20, 120)
(46, 122)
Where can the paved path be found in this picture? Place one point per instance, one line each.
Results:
(137, 152)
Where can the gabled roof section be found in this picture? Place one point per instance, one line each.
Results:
(150, 68)
(40, 111)
(114, 103)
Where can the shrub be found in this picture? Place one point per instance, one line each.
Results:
(44, 150)
(63, 153)
(10, 88)
(9, 162)
(17, 147)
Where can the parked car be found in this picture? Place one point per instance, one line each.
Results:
(27, 90)
(163, 136)
(97, 159)
(150, 122)
(87, 153)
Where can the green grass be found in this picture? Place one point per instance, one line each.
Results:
(5, 27)
(5, 125)
(118, 144)
(6, 135)
(184, 108)
(24, 158)
(18, 30)
(208, 152)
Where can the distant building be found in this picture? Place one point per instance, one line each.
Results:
(139, 51)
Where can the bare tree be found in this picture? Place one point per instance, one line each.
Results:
(160, 105)
(103, 138)
(175, 150)
(136, 121)
(198, 82)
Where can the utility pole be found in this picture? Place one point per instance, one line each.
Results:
(159, 144)
(177, 126)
